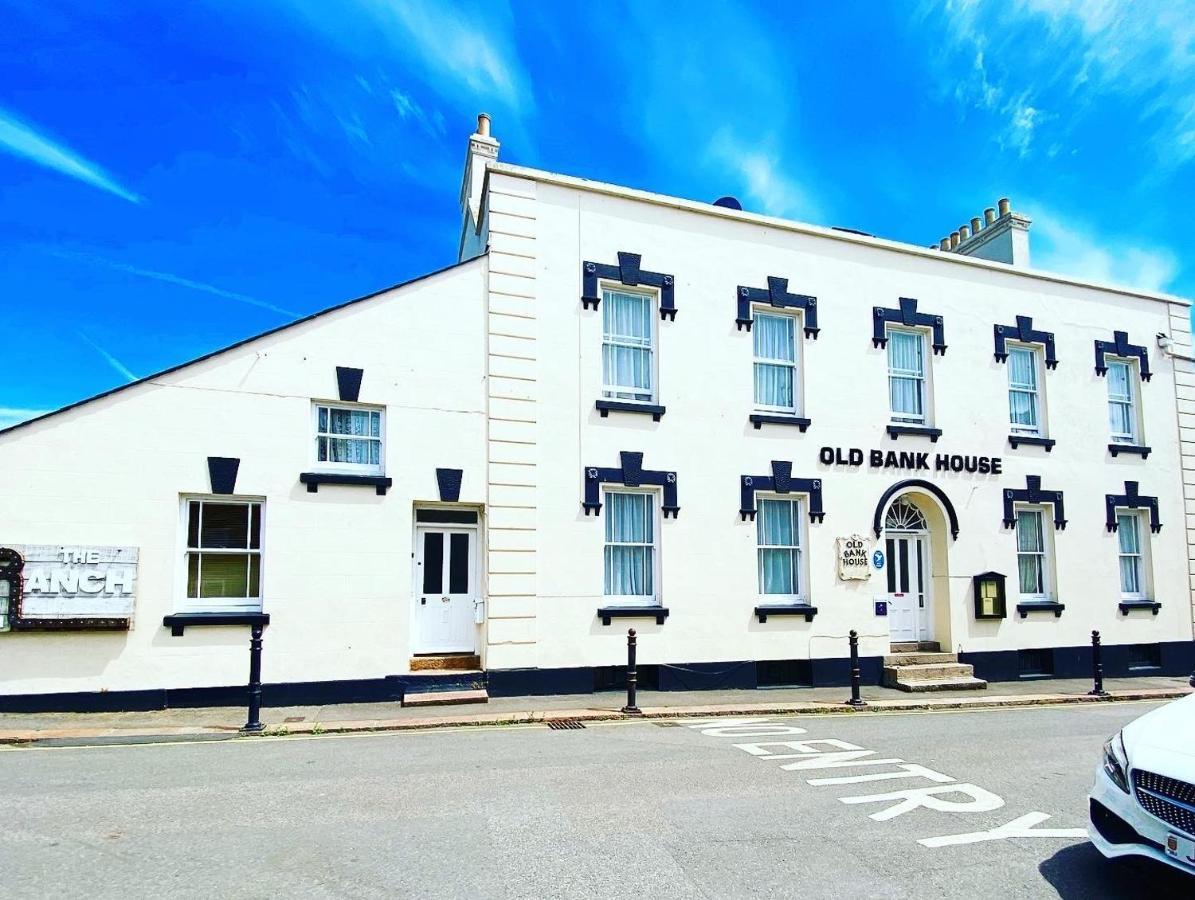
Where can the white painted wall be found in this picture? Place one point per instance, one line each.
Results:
(337, 563)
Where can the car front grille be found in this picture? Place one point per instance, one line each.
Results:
(1168, 799)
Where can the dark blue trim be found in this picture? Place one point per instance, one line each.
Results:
(792, 609)
(1056, 608)
(241, 343)
(895, 431)
(877, 523)
(348, 383)
(646, 409)
(540, 682)
(627, 272)
(782, 482)
(1120, 346)
(448, 481)
(1130, 499)
(1127, 606)
(1024, 332)
(1032, 493)
(1131, 449)
(176, 622)
(630, 473)
(222, 473)
(710, 676)
(314, 479)
(906, 314)
(1016, 440)
(760, 419)
(1178, 658)
(777, 296)
(606, 613)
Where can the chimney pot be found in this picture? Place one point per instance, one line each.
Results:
(1005, 206)
(976, 224)
(944, 244)
(483, 124)
(954, 239)
(963, 233)
(989, 215)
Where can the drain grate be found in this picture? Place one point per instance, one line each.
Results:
(564, 724)
(294, 719)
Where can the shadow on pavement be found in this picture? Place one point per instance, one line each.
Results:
(1079, 872)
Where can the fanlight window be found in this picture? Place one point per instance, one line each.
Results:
(904, 516)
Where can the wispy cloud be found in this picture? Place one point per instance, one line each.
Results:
(24, 141)
(764, 177)
(408, 109)
(168, 278)
(108, 357)
(11, 415)
(1062, 244)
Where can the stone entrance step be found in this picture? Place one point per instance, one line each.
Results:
(444, 698)
(914, 658)
(915, 646)
(941, 675)
(438, 661)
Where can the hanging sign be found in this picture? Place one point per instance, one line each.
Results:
(72, 587)
(854, 557)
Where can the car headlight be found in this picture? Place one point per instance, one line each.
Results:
(1116, 761)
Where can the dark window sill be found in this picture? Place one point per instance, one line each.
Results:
(605, 407)
(760, 419)
(895, 431)
(1056, 608)
(1016, 440)
(606, 613)
(1127, 606)
(1132, 449)
(793, 609)
(178, 621)
(313, 480)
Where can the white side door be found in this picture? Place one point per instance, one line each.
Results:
(907, 614)
(445, 590)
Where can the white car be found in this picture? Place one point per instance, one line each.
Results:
(1143, 799)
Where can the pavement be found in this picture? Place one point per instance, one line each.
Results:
(903, 805)
(222, 723)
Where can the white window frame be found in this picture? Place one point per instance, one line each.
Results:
(611, 391)
(1045, 555)
(801, 597)
(646, 600)
(1037, 392)
(923, 378)
(1133, 399)
(795, 365)
(186, 603)
(347, 467)
(1144, 567)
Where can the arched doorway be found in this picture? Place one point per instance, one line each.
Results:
(907, 550)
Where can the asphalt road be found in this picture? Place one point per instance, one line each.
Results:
(617, 810)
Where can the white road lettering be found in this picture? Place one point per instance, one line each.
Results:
(837, 761)
(1017, 828)
(803, 748)
(909, 800)
(750, 728)
(911, 770)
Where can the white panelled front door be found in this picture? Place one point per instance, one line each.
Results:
(908, 613)
(445, 590)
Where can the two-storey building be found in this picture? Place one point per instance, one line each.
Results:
(740, 435)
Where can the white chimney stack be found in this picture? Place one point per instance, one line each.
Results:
(1001, 236)
(483, 149)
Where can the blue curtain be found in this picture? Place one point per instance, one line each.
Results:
(906, 370)
(778, 535)
(774, 340)
(1022, 389)
(626, 347)
(1030, 551)
(1130, 550)
(1120, 401)
(630, 551)
(358, 426)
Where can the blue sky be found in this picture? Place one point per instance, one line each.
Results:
(175, 177)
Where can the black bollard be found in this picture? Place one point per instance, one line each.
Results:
(1097, 667)
(254, 724)
(632, 676)
(856, 699)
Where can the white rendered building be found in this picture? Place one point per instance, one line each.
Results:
(741, 436)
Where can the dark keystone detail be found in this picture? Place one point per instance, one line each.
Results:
(782, 482)
(906, 314)
(348, 382)
(1024, 332)
(630, 474)
(1120, 346)
(449, 483)
(627, 272)
(1033, 493)
(222, 473)
(1130, 499)
(778, 297)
